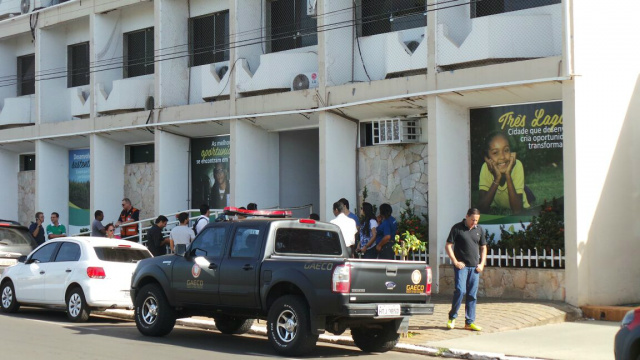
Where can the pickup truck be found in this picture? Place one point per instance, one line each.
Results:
(293, 273)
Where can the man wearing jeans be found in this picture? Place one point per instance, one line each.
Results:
(467, 248)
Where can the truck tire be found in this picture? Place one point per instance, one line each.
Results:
(8, 295)
(289, 326)
(378, 338)
(77, 308)
(154, 316)
(230, 325)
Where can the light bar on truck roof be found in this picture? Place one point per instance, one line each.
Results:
(262, 213)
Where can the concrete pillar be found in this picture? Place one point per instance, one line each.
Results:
(10, 165)
(52, 182)
(254, 165)
(107, 182)
(338, 173)
(171, 38)
(335, 45)
(172, 178)
(105, 52)
(53, 97)
(601, 166)
(449, 177)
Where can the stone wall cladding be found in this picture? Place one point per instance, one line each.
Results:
(139, 187)
(393, 174)
(26, 197)
(512, 283)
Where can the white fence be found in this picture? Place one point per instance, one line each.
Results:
(506, 258)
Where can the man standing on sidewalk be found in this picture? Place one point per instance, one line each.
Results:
(467, 248)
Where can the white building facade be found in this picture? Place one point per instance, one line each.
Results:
(315, 100)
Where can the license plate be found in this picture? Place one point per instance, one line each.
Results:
(8, 262)
(389, 310)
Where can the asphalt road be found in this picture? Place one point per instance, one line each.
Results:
(44, 334)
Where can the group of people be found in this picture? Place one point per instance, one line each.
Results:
(129, 214)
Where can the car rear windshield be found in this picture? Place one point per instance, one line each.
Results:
(118, 254)
(307, 241)
(10, 236)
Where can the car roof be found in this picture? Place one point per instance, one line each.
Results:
(12, 224)
(100, 241)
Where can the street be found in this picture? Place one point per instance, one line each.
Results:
(36, 333)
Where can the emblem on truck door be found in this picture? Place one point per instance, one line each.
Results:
(416, 277)
(195, 270)
(390, 285)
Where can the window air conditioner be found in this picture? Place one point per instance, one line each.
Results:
(396, 131)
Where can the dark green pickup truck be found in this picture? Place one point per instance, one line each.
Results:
(293, 273)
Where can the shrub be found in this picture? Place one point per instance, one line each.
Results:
(413, 224)
(545, 232)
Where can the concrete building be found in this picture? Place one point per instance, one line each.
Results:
(318, 99)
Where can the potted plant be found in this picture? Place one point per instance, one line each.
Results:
(407, 243)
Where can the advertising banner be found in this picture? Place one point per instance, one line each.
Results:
(79, 195)
(516, 160)
(210, 172)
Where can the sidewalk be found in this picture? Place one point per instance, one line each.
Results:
(511, 329)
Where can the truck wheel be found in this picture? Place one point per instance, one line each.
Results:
(232, 325)
(9, 302)
(154, 316)
(288, 326)
(376, 339)
(77, 308)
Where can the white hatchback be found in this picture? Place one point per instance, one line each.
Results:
(78, 274)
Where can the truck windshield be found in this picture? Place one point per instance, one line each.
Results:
(306, 241)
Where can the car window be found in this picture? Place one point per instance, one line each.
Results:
(210, 242)
(308, 241)
(44, 254)
(68, 252)
(10, 236)
(246, 242)
(121, 254)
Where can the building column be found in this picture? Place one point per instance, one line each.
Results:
(255, 165)
(449, 174)
(171, 35)
(52, 182)
(172, 177)
(338, 153)
(107, 180)
(10, 165)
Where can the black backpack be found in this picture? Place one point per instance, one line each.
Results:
(195, 225)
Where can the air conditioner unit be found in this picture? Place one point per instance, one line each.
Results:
(396, 131)
(312, 9)
(26, 6)
(222, 71)
(305, 81)
(412, 46)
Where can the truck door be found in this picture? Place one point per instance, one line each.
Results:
(196, 278)
(240, 270)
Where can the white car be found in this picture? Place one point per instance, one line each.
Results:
(78, 274)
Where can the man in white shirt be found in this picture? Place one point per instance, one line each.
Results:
(347, 226)
(181, 234)
(203, 219)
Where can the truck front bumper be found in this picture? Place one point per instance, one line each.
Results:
(371, 310)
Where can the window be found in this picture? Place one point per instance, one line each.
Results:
(68, 252)
(27, 75)
(209, 39)
(210, 242)
(246, 242)
(390, 131)
(78, 64)
(27, 162)
(138, 56)
(492, 7)
(121, 254)
(44, 254)
(379, 17)
(304, 241)
(291, 27)
(137, 154)
(12, 237)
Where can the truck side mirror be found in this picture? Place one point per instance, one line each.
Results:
(22, 258)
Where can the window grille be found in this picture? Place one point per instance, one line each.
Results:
(492, 7)
(390, 131)
(138, 57)
(209, 39)
(78, 64)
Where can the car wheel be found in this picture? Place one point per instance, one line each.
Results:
(289, 326)
(232, 325)
(9, 302)
(154, 316)
(77, 308)
(376, 338)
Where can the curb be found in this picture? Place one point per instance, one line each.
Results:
(261, 330)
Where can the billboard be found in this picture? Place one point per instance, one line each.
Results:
(516, 160)
(79, 195)
(210, 181)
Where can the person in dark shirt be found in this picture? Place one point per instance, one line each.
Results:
(156, 243)
(386, 233)
(36, 229)
(467, 249)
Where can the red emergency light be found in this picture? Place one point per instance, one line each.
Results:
(262, 213)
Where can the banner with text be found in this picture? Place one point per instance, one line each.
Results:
(516, 160)
(210, 172)
(79, 195)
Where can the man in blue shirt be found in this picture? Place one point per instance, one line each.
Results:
(36, 229)
(386, 233)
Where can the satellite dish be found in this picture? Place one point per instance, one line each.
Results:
(25, 6)
(412, 46)
(300, 82)
(222, 71)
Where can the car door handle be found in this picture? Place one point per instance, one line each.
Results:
(247, 267)
(213, 266)
(41, 272)
(68, 270)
